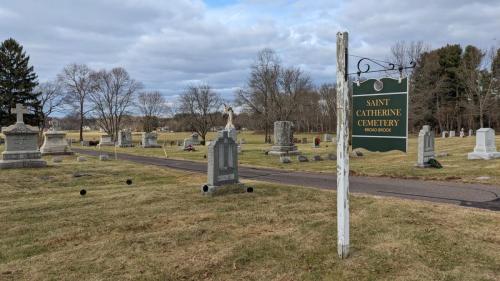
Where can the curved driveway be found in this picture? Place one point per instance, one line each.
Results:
(471, 195)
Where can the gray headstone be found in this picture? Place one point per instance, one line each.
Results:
(150, 140)
(317, 158)
(222, 162)
(471, 132)
(327, 137)
(81, 159)
(302, 158)
(332, 156)
(485, 145)
(304, 140)
(444, 134)
(104, 157)
(125, 139)
(452, 134)
(283, 139)
(285, 159)
(425, 147)
(21, 144)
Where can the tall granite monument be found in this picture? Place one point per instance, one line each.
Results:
(222, 164)
(425, 147)
(21, 144)
(283, 139)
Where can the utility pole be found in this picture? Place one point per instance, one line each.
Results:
(342, 146)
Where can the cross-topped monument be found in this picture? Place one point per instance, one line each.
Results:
(20, 110)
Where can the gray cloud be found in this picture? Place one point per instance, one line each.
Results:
(168, 45)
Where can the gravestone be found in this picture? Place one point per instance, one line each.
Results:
(425, 147)
(21, 144)
(327, 137)
(195, 139)
(150, 140)
(462, 133)
(106, 140)
(471, 132)
(283, 139)
(317, 158)
(222, 163)
(285, 159)
(124, 138)
(304, 140)
(444, 134)
(485, 145)
(55, 142)
(452, 134)
(302, 158)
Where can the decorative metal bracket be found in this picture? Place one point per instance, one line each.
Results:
(364, 65)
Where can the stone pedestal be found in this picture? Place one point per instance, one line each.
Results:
(55, 143)
(150, 140)
(425, 147)
(283, 139)
(125, 139)
(485, 145)
(21, 144)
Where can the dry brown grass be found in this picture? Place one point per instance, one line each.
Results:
(162, 228)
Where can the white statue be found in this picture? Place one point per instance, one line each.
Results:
(229, 112)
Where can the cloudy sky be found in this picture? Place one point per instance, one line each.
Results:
(168, 44)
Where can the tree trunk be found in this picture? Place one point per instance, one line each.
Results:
(81, 122)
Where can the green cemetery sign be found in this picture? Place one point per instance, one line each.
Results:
(380, 115)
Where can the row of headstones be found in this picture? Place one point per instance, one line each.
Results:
(148, 140)
(485, 146)
(450, 134)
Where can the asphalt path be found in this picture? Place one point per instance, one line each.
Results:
(469, 195)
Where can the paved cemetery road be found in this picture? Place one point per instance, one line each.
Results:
(470, 195)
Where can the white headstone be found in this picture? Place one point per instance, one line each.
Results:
(452, 134)
(485, 145)
(444, 134)
(55, 143)
(462, 133)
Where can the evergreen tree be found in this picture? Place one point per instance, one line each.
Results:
(17, 83)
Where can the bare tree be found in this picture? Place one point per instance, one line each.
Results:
(151, 105)
(113, 95)
(293, 87)
(328, 105)
(76, 81)
(51, 101)
(200, 105)
(261, 87)
(402, 53)
(479, 83)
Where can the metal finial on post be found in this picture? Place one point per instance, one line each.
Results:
(342, 146)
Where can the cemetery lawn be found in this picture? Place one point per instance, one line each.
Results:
(162, 228)
(389, 164)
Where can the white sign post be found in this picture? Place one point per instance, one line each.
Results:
(342, 146)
